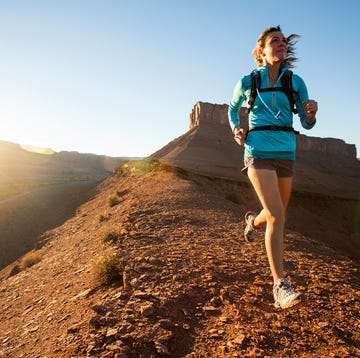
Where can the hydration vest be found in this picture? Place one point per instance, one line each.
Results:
(286, 87)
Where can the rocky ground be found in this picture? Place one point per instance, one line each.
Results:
(188, 285)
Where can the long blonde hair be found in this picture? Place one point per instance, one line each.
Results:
(291, 41)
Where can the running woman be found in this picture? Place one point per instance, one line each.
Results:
(270, 147)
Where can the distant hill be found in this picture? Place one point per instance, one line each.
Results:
(17, 158)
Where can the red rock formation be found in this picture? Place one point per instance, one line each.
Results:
(208, 114)
(325, 165)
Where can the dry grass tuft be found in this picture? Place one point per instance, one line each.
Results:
(107, 269)
(30, 259)
(110, 237)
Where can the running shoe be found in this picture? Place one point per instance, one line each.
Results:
(285, 296)
(250, 230)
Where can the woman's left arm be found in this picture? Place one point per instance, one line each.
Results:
(307, 108)
(310, 107)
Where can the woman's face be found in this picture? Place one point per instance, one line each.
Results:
(275, 48)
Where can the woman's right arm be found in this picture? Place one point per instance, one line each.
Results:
(236, 101)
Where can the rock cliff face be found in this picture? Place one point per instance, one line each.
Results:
(324, 165)
(329, 146)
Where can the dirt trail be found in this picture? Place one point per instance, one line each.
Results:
(192, 287)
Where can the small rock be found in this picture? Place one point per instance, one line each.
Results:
(239, 339)
(111, 332)
(112, 347)
(162, 335)
(73, 329)
(145, 266)
(121, 355)
(33, 329)
(215, 333)
(210, 308)
(154, 261)
(90, 348)
(166, 323)
(97, 321)
(256, 352)
(134, 282)
(83, 294)
(6, 339)
(230, 344)
(142, 295)
(323, 324)
(126, 328)
(147, 310)
(100, 309)
(121, 295)
(161, 349)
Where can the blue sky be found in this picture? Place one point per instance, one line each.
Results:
(120, 78)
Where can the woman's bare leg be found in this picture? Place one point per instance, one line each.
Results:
(285, 187)
(274, 195)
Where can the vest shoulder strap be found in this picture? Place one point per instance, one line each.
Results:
(286, 83)
(255, 84)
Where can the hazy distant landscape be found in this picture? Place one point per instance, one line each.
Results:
(25, 216)
(40, 189)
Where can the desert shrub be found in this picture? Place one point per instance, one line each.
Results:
(102, 218)
(107, 269)
(145, 166)
(121, 193)
(110, 237)
(30, 259)
(113, 200)
(139, 167)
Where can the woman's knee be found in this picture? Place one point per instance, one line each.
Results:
(276, 217)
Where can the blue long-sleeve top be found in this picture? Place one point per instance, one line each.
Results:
(266, 143)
